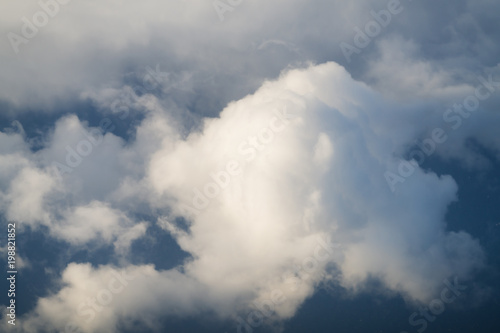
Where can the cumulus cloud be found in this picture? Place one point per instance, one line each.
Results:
(283, 191)
(271, 183)
(34, 184)
(347, 197)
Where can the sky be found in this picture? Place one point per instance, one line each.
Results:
(250, 166)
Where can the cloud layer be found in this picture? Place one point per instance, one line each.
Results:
(274, 162)
(281, 192)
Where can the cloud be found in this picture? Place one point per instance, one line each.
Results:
(253, 187)
(35, 183)
(282, 185)
(26, 196)
(281, 192)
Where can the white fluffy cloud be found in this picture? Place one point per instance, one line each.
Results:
(60, 186)
(321, 174)
(265, 187)
(279, 191)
